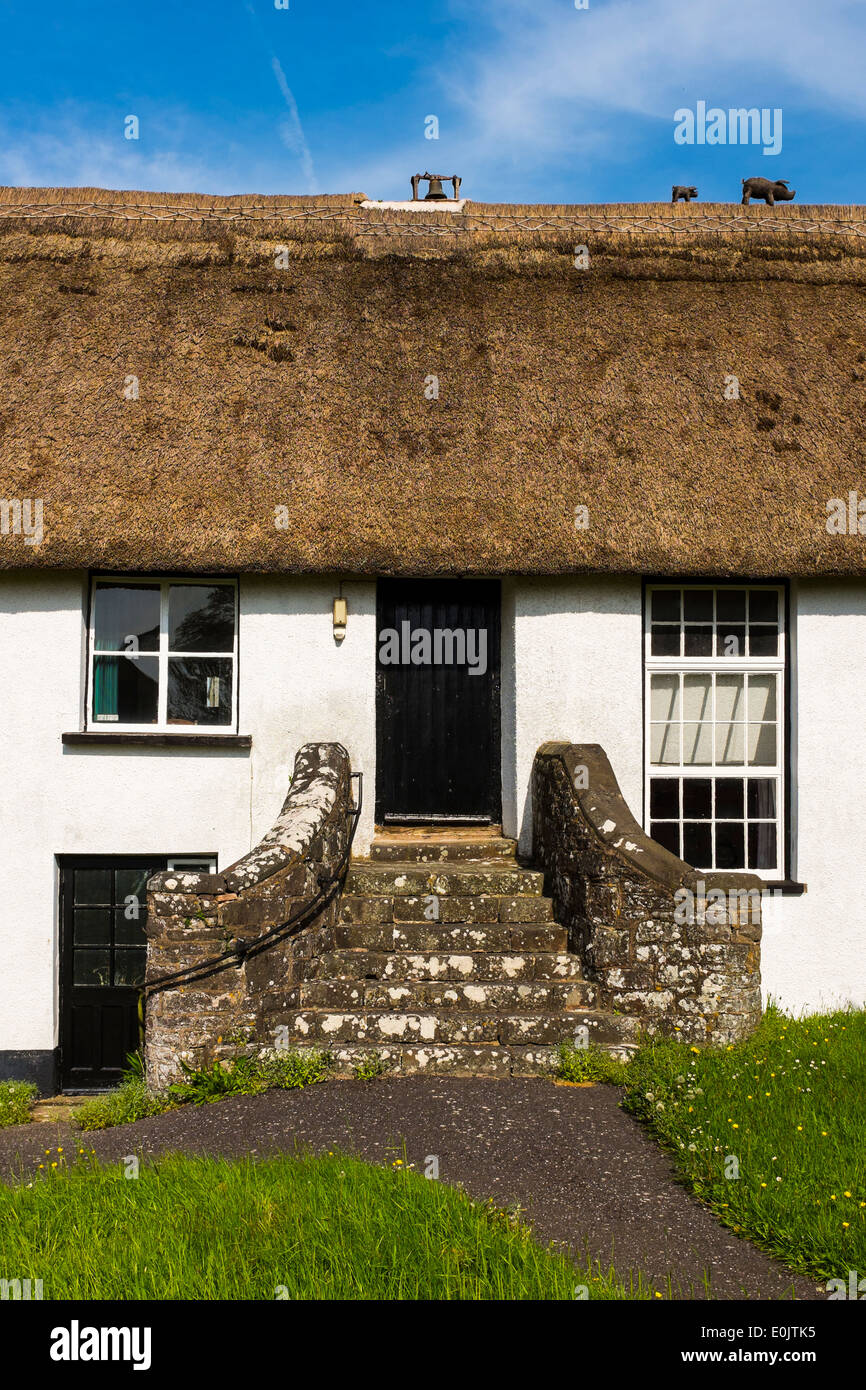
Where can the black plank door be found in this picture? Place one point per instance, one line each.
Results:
(102, 960)
(437, 716)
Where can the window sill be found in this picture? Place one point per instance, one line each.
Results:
(787, 887)
(90, 738)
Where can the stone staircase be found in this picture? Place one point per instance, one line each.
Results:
(446, 958)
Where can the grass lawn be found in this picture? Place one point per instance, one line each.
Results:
(783, 1110)
(312, 1228)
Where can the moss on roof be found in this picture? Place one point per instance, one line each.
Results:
(284, 348)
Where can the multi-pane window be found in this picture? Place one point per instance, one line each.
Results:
(163, 653)
(715, 664)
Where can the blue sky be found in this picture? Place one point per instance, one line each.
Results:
(536, 100)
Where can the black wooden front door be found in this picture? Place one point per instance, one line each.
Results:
(437, 701)
(102, 960)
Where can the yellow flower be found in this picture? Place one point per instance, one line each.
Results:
(832, 1196)
(736, 1126)
(824, 1132)
(847, 1194)
(763, 1184)
(799, 1127)
(658, 1295)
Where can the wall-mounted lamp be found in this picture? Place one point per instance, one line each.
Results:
(341, 613)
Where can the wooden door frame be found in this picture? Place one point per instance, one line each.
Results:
(380, 812)
(67, 864)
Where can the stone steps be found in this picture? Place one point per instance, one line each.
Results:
(431, 936)
(446, 958)
(434, 907)
(394, 967)
(326, 1027)
(454, 880)
(421, 848)
(543, 996)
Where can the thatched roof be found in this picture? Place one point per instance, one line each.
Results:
(304, 387)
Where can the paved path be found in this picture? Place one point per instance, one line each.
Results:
(583, 1171)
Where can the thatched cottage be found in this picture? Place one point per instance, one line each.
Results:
(547, 520)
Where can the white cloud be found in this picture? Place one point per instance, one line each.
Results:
(553, 74)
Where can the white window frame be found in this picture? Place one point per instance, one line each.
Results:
(162, 656)
(722, 665)
(192, 863)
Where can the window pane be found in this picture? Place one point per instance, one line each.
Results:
(92, 886)
(92, 926)
(763, 606)
(729, 798)
(126, 617)
(125, 689)
(731, 641)
(730, 846)
(665, 743)
(201, 617)
(132, 882)
(665, 641)
(698, 605)
(697, 798)
(666, 834)
(729, 699)
(200, 691)
(763, 641)
(762, 745)
(762, 697)
(762, 845)
(697, 697)
(665, 798)
(665, 697)
(91, 967)
(698, 641)
(730, 606)
(729, 744)
(666, 606)
(697, 744)
(129, 967)
(129, 930)
(762, 798)
(697, 845)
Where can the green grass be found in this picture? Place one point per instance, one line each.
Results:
(788, 1106)
(16, 1101)
(299, 1228)
(247, 1076)
(589, 1064)
(129, 1101)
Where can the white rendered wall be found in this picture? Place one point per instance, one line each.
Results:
(575, 645)
(296, 685)
(814, 946)
(571, 669)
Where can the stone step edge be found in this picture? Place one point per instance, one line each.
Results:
(455, 1059)
(595, 1025)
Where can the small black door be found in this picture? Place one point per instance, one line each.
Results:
(437, 701)
(102, 962)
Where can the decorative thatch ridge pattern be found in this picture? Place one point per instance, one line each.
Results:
(306, 385)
